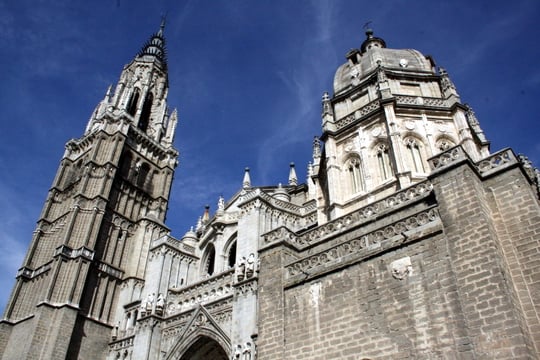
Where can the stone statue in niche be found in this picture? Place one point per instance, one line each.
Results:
(160, 304)
(250, 265)
(149, 303)
(401, 268)
(241, 269)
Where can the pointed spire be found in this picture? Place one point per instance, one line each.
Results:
(155, 46)
(326, 104)
(246, 183)
(293, 179)
(316, 148)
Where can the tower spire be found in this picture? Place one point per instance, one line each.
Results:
(155, 46)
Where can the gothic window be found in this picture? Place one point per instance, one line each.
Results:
(414, 150)
(355, 176)
(383, 161)
(133, 101)
(146, 111)
(232, 255)
(209, 264)
(444, 144)
(125, 165)
(142, 176)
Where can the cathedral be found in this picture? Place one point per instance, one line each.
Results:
(409, 239)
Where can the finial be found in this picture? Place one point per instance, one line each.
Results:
(293, 179)
(316, 147)
(246, 183)
(206, 215)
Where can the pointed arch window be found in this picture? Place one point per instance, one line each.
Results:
(125, 165)
(354, 172)
(142, 176)
(383, 161)
(231, 256)
(210, 263)
(414, 149)
(146, 111)
(444, 144)
(133, 101)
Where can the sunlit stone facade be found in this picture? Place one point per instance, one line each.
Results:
(409, 238)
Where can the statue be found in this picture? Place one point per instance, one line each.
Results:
(241, 269)
(150, 302)
(160, 304)
(250, 266)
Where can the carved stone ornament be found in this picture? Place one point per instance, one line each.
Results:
(401, 268)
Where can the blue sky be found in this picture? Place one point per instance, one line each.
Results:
(247, 78)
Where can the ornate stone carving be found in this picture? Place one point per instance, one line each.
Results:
(401, 268)
(342, 224)
(363, 245)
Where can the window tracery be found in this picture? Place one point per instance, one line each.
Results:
(415, 154)
(444, 144)
(383, 161)
(355, 175)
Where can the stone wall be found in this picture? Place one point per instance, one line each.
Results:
(451, 274)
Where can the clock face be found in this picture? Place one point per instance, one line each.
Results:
(403, 63)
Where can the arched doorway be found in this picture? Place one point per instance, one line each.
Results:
(203, 349)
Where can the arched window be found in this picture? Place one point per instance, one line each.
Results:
(209, 264)
(444, 144)
(146, 111)
(142, 177)
(231, 258)
(133, 102)
(355, 175)
(413, 148)
(383, 160)
(125, 165)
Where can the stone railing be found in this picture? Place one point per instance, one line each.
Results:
(358, 114)
(208, 290)
(419, 100)
(364, 245)
(446, 158)
(484, 167)
(496, 161)
(355, 218)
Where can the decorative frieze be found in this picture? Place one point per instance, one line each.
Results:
(363, 246)
(206, 291)
(67, 252)
(355, 218)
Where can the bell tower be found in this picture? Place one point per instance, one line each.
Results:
(108, 201)
(391, 110)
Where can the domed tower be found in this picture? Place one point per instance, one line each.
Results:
(107, 202)
(391, 110)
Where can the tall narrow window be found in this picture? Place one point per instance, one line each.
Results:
(146, 111)
(383, 160)
(125, 165)
(354, 172)
(133, 101)
(413, 148)
(232, 255)
(210, 260)
(142, 177)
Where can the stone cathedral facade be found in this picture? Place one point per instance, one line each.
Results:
(408, 240)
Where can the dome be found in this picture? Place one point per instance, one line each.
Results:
(373, 52)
